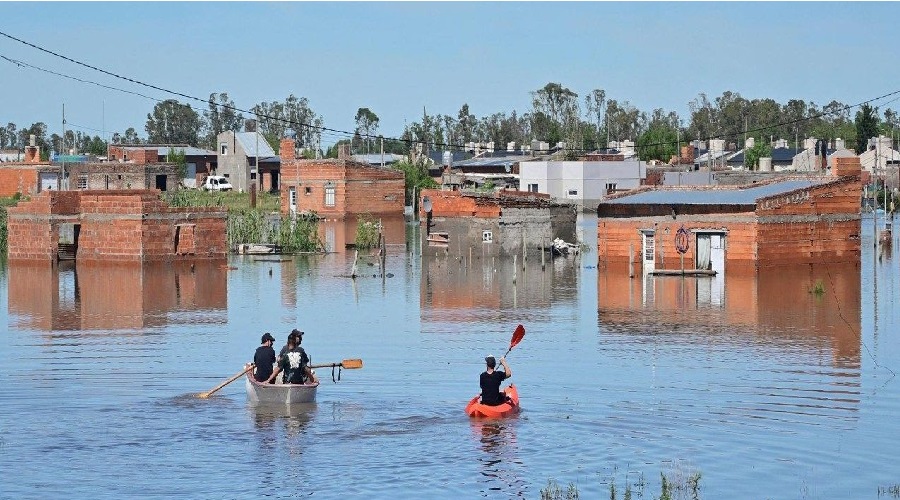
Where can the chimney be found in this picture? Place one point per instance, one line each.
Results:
(344, 152)
(286, 150)
(32, 154)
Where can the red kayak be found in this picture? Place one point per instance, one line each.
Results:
(511, 406)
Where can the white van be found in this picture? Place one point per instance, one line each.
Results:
(216, 183)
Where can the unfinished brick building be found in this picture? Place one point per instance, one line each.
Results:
(789, 221)
(24, 177)
(337, 188)
(493, 224)
(111, 226)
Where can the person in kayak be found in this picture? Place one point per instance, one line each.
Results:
(294, 362)
(264, 358)
(491, 380)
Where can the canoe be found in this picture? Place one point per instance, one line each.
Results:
(259, 393)
(510, 407)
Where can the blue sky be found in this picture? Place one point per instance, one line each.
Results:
(395, 58)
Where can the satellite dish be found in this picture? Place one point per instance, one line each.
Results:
(426, 204)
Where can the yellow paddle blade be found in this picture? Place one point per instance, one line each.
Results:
(352, 364)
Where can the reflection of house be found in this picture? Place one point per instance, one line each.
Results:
(584, 183)
(804, 220)
(49, 297)
(338, 188)
(114, 225)
(492, 224)
(336, 235)
(238, 154)
(199, 162)
(774, 305)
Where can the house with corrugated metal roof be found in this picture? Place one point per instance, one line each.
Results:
(245, 159)
(714, 229)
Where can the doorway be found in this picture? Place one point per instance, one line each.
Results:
(648, 251)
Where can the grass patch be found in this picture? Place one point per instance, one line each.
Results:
(676, 484)
(819, 288)
(299, 234)
(367, 231)
(233, 201)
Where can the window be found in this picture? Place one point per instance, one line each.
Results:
(251, 161)
(573, 192)
(225, 175)
(307, 190)
(329, 196)
(487, 236)
(532, 188)
(252, 175)
(223, 149)
(611, 188)
(82, 182)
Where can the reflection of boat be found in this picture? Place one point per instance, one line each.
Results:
(258, 392)
(511, 406)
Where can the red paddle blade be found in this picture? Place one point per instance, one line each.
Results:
(517, 337)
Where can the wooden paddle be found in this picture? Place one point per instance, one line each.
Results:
(517, 337)
(349, 364)
(204, 395)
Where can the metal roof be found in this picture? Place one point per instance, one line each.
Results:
(780, 155)
(248, 142)
(743, 196)
(164, 150)
(501, 161)
(376, 158)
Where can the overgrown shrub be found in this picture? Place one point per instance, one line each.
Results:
(366, 232)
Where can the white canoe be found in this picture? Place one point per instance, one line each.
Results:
(280, 393)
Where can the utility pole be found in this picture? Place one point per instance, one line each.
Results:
(382, 151)
(62, 165)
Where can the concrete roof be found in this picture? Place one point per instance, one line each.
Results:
(248, 142)
(742, 196)
(164, 150)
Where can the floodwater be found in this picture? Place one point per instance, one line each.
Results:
(777, 385)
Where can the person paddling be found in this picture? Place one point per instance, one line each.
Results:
(491, 380)
(264, 358)
(294, 362)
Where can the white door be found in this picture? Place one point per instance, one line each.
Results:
(649, 252)
(293, 200)
(717, 253)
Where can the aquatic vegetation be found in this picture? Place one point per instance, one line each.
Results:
(367, 231)
(819, 288)
(292, 234)
(892, 491)
(554, 492)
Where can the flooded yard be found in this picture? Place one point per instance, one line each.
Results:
(777, 384)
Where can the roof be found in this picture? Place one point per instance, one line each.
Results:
(741, 196)
(779, 155)
(249, 140)
(377, 158)
(493, 161)
(438, 156)
(163, 150)
(272, 160)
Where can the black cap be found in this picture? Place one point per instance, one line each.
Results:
(296, 332)
(267, 337)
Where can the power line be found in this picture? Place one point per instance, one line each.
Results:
(410, 140)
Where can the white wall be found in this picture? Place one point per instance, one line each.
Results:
(587, 178)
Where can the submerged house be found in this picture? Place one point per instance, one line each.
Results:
(463, 223)
(338, 188)
(801, 220)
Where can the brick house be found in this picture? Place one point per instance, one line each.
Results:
(338, 188)
(802, 220)
(113, 225)
(200, 162)
(25, 177)
(493, 224)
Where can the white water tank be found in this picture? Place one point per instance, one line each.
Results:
(749, 143)
(765, 164)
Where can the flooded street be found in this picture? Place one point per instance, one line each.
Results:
(779, 384)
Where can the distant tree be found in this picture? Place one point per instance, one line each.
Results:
(866, 126)
(465, 124)
(180, 161)
(131, 137)
(39, 130)
(295, 114)
(97, 146)
(219, 117)
(173, 123)
(416, 176)
(11, 136)
(658, 142)
(761, 149)
(366, 125)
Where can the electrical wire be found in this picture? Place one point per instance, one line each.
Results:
(322, 129)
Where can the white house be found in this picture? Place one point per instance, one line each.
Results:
(583, 183)
(880, 155)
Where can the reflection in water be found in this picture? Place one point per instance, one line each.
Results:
(120, 296)
(454, 291)
(795, 323)
(500, 461)
(337, 234)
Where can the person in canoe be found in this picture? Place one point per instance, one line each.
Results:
(294, 362)
(491, 380)
(264, 359)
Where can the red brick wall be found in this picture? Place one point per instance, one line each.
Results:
(18, 179)
(454, 204)
(120, 225)
(358, 189)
